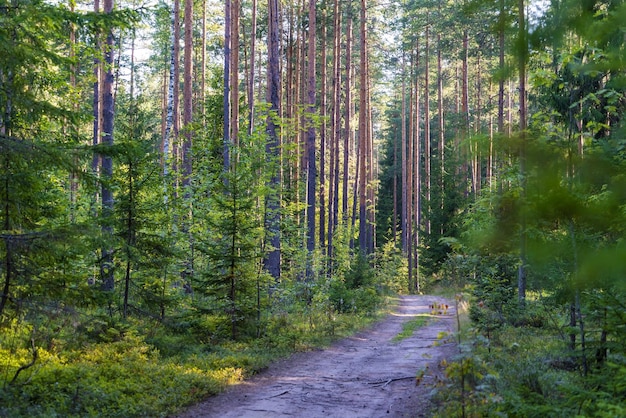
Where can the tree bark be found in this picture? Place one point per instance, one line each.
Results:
(323, 146)
(363, 135)
(427, 139)
(226, 100)
(108, 113)
(252, 67)
(311, 173)
(187, 96)
(336, 129)
(522, 57)
(272, 218)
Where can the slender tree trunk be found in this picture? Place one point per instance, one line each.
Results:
(465, 130)
(176, 91)
(417, 177)
(501, 24)
(371, 192)
(97, 111)
(310, 139)
(394, 218)
(203, 65)
(522, 57)
(363, 135)
(187, 95)
(441, 131)
(106, 265)
(405, 193)
(227, 63)
(347, 115)
(73, 178)
(272, 218)
(427, 139)
(323, 145)
(336, 129)
(252, 68)
(234, 72)
(411, 157)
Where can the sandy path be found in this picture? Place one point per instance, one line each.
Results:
(366, 375)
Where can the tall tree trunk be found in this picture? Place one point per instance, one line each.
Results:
(252, 68)
(417, 177)
(272, 218)
(405, 194)
(203, 65)
(441, 132)
(371, 192)
(501, 25)
(234, 72)
(363, 135)
(411, 157)
(323, 144)
(187, 142)
(522, 57)
(394, 216)
(97, 111)
(427, 139)
(176, 91)
(226, 100)
(187, 95)
(336, 128)
(347, 115)
(311, 174)
(171, 123)
(108, 113)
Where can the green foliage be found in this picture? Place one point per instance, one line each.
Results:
(409, 327)
(391, 270)
(118, 379)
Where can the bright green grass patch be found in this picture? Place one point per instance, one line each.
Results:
(409, 327)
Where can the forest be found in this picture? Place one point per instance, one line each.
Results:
(190, 191)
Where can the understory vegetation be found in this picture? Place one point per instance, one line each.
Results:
(559, 354)
(87, 362)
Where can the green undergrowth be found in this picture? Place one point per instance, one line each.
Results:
(149, 372)
(528, 369)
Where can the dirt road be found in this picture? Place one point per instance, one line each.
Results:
(366, 375)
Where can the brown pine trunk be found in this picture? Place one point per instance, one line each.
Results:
(323, 146)
(226, 100)
(187, 96)
(234, 72)
(363, 135)
(252, 68)
(441, 128)
(417, 178)
(521, 274)
(405, 200)
(203, 65)
(347, 115)
(272, 218)
(411, 157)
(427, 139)
(176, 91)
(311, 174)
(336, 129)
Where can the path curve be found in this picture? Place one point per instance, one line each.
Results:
(366, 375)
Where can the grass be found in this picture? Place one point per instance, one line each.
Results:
(409, 327)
